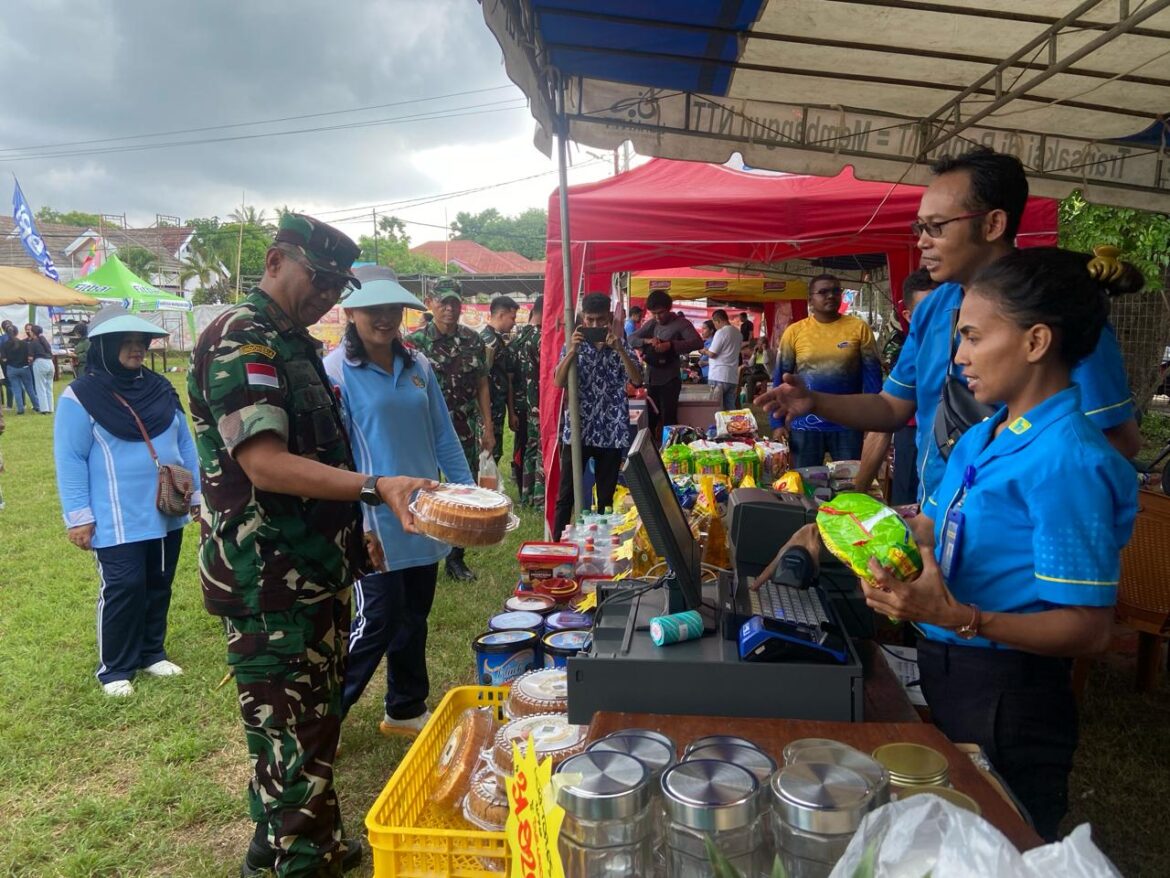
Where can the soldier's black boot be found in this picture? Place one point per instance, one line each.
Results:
(260, 859)
(457, 568)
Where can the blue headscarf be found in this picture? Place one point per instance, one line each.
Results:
(152, 396)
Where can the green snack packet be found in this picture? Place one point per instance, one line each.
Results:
(678, 460)
(856, 527)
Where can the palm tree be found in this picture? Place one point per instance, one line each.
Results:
(248, 215)
(200, 266)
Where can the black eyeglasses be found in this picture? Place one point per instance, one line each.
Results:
(935, 229)
(828, 291)
(325, 281)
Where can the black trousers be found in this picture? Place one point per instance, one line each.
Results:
(1018, 707)
(665, 398)
(607, 463)
(390, 621)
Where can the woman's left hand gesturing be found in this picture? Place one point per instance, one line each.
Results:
(924, 599)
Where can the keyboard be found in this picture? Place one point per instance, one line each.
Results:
(798, 606)
(789, 624)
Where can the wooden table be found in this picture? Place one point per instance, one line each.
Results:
(773, 735)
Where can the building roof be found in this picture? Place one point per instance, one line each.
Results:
(69, 245)
(474, 258)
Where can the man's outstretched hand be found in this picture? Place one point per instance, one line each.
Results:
(789, 400)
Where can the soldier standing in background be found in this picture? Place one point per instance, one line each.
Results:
(528, 462)
(282, 540)
(460, 361)
(501, 368)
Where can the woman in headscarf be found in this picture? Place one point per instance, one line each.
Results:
(399, 425)
(107, 479)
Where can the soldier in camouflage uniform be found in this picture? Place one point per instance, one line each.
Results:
(526, 354)
(460, 360)
(282, 539)
(501, 368)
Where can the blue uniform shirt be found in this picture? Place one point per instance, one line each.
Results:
(922, 366)
(1051, 506)
(398, 426)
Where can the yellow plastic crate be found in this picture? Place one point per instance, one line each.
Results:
(409, 836)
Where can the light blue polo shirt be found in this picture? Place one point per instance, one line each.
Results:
(922, 366)
(1051, 506)
(398, 425)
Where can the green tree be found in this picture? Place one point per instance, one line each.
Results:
(524, 233)
(139, 260)
(250, 216)
(224, 241)
(392, 249)
(1143, 237)
(68, 218)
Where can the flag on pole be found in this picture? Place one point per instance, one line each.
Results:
(29, 236)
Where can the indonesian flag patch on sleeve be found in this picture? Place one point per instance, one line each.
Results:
(261, 375)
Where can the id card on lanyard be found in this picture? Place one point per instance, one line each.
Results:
(952, 530)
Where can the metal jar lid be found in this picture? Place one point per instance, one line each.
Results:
(711, 795)
(872, 770)
(756, 761)
(613, 786)
(820, 797)
(647, 733)
(802, 743)
(651, 752)
(912, 764)
(720, 739)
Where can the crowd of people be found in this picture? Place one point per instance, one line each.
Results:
(1006, 398)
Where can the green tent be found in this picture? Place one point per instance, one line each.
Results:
(115, 284)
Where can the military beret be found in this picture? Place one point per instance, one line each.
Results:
(325, 247)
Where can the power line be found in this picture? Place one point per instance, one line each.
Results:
(223, 127)
(471, 110)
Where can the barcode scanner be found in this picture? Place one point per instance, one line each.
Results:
(796, 568)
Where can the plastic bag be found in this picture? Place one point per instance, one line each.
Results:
(927, 835)
(708, 518)
(489, 473)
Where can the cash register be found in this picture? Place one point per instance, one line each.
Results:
(624, 671)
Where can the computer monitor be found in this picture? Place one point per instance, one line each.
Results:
(665, 522)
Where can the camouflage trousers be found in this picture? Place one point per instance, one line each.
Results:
(532, 462)
(498, 430)
(289, 669)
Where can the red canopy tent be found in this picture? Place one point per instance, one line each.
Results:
(668, 214)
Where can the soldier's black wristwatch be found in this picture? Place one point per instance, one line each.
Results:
(369, 494)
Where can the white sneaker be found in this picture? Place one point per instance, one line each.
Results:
(163, 668)
(408, 727)
(118, 688)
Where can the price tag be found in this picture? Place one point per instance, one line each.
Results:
(534, 818)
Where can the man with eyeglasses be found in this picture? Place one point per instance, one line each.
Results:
(663, 339)
(833, 353)
(968, 218)
(282, 539)
(460, 360)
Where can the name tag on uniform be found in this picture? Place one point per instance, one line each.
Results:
(952, 530)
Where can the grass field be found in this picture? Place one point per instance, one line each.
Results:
(153, 785)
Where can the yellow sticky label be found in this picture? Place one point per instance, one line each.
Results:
(534, 817)
(262, 350)
(1020, 425)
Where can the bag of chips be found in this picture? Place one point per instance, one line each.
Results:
(679, 460)
(738, 422)
(856, 527)
(741, 463)
(709, 518)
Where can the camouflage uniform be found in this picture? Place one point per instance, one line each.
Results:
(459, 360)
(526, 354)
(278, 568)
(501, 375)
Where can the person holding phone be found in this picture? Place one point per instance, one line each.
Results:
(604, 365)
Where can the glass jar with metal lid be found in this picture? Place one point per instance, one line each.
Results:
(657, 756)
(913, 765)
(647, 733)
(706, 798)
(842, 754)
(708, 740)
(799, 744)
(607, 829)
(816, 808)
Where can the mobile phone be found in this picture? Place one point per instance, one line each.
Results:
(594, 334)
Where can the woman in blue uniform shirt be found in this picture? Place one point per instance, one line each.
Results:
(1034, 509)
(398, 425)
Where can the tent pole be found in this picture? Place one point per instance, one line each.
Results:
(567, 267)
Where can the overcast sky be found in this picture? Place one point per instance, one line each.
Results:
(79, 70)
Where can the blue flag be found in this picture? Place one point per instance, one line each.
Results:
(29, 236)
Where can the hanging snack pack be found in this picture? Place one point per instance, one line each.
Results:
(856, 527)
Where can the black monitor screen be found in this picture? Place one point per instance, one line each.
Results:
(663, 517)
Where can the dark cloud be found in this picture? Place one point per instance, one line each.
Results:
(88, 71)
